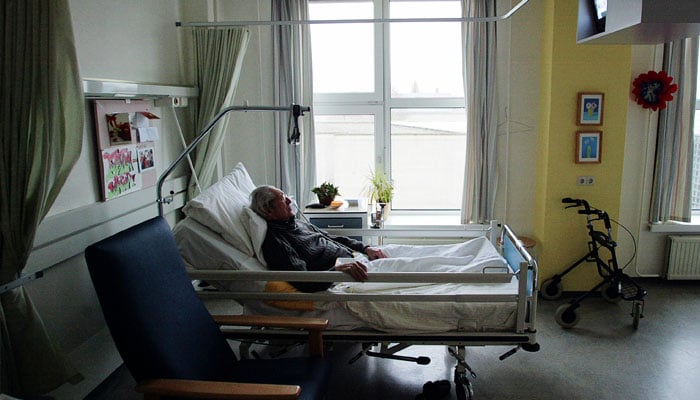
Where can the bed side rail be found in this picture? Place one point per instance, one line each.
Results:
(490, 275)
(495, 274)
(462, 231)
(526, 267)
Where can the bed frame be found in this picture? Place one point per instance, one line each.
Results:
(524, 268)
(387, 345)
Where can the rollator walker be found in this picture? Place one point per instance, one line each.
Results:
(615, 286)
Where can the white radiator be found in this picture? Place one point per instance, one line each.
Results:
(683, 257)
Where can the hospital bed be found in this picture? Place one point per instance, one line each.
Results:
(492, 303)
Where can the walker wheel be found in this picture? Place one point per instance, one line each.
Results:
(636, 313)
(551, 289)
(611, 292)
(566, 316)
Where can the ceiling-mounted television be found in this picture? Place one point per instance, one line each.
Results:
(600, 10)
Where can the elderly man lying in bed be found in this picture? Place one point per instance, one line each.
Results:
(291, 244)
(296, 245)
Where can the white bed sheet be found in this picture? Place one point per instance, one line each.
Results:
(470, 256)
(204, 249)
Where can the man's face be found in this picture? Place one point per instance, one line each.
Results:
(281, 208)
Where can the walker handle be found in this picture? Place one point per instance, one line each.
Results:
(577, 203)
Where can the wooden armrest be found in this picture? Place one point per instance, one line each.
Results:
(315, 326)
(272, 321)
(157, 388)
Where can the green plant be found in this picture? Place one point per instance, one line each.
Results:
(326, 192)
(380, 189)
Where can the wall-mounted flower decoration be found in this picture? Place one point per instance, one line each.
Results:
(653, 89)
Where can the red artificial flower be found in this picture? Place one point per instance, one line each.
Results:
(654, 89)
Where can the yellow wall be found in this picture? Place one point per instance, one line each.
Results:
(567, 69)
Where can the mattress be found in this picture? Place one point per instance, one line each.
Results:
(203, 249)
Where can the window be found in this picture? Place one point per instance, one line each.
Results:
(390, 97)
(695, 190)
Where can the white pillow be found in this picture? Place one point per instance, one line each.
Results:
(241, 180)
(220, 206)
(256, 227)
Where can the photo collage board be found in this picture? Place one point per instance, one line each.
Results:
(126, 139)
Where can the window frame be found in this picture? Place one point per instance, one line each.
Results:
(380, 103)
(695, 212)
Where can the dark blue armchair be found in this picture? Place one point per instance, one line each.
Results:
(169, 341)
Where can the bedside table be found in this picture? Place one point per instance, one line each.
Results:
(345, 217)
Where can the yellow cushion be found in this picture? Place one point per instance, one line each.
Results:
(286, 287)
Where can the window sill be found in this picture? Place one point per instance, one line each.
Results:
(412, 218)
(677, 227)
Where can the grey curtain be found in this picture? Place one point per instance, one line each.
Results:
(673, 170)
(42, 110)
(480, 175)
(219, 55)
(295, 163)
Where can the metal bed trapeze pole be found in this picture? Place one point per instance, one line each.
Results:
(295, 110)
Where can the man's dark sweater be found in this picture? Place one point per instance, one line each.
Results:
(299, 246)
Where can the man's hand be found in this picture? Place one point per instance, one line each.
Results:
(373, 253)
(355, 269)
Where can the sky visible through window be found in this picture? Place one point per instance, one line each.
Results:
(423, 54)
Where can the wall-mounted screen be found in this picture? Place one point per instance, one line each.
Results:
(600, 10)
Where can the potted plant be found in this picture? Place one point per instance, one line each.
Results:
(326, 192)
(381, 189)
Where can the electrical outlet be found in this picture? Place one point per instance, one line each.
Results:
(179, 101)
(585, 181)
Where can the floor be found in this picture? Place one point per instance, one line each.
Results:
(603, 357)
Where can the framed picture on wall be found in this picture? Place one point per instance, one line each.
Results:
(588, 146)
(590, 109)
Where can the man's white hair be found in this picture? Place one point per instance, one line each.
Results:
(261, 199)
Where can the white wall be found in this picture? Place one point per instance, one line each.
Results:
(120, 40)
(517, 185)
(250, 137)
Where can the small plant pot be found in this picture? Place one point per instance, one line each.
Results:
(325, 200)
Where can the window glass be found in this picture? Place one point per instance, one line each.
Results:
(342, 54)
(345, 151)
(426, 57)
(427, 157)
(390, 97)
(695, 188)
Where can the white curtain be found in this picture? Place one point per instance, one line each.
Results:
(219, 55)
(673, 172)
(295, 163)
(481, 98)
(42, 112)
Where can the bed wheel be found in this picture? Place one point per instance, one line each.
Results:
(611, 292)
(566, 316)
(551, 289)
(463, 387)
